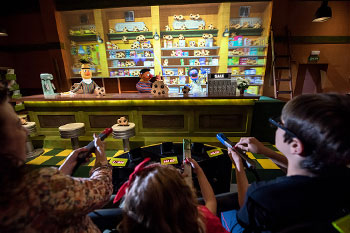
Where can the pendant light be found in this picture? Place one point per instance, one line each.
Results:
(323, 13)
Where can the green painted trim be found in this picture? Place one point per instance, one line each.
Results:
(104, 103)
(84, 38)
(69, 5)
(315, 39)
(189, 33)
(247, 31)
(129, 35)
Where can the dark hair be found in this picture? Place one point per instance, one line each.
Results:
(160, 201)
(84, 61)
(4, 92)
(144, 71)
(10, 173)
(322, 123)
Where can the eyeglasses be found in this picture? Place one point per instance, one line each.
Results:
(279, 124)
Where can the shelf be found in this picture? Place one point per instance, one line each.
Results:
(130, 58)
(124, 76)
(174, 57)
(247, 46)
(129, 35)
(180, 85)
(129, 67)
(93, 77)
(189, 33)
(190, 48)
(246, 65)
(170, 66)
(246, 56)
(247, 31)
(122, 50)
(83, 38)
(246, 75)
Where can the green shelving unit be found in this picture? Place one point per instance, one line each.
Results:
(129, 35)
(189, 33)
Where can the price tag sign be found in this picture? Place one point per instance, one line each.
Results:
(118, 162)
(214, 152)
(168, 160)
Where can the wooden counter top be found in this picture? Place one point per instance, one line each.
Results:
(128, 96)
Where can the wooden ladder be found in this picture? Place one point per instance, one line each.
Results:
(282, 68)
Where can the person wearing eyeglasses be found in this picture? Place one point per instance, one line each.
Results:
(313, 135)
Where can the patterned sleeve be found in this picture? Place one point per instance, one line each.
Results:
(77, 88)
(67, 196)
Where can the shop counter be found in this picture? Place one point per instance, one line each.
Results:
(157, 119)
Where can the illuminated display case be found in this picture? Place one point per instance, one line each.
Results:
(169, 39)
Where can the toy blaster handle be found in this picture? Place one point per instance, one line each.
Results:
(91, 148)
(226, 142)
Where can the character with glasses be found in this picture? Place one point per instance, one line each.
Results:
(313, 136)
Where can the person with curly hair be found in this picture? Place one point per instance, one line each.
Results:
(46, 199)
(159, 200)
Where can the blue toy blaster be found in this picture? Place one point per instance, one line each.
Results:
(226, 142)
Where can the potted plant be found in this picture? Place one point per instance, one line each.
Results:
(242, 84)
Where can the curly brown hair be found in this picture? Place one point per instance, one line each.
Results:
(10, 173)
(160, 201)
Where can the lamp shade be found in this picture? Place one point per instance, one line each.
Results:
(323, 13)
(226, 32)
(3, 32)
(156, 36)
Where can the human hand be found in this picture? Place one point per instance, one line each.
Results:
(99, 151)
(196, 168)
(234, 156)
(251, 144)
(71, 160)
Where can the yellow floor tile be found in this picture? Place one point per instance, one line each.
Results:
(92, 163)
(119, 152)
(61, 162)
(250, 155)
(267, 164)
(46, 150)
(39, 160)
(64, 153)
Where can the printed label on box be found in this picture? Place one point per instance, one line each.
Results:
(168, 160)
(214, 152)
(118, 162)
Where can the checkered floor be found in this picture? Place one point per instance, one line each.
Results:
(56, 156)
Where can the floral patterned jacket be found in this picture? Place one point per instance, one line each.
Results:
(49, 201)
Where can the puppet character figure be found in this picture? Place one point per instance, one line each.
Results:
(87, 84)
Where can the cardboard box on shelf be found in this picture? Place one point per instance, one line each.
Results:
(182, 43)
(121, 72)
(215, 61)
(254, 90)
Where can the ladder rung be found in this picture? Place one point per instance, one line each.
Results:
(283, 80)
(282, 67)
(284, 92)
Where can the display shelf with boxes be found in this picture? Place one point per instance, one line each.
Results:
(248, 42)
(188, 40)
(168, 39)
(79, 34)
(130, 44)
